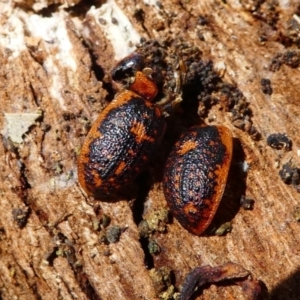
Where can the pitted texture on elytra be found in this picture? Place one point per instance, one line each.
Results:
(120, 144)
(195, 175)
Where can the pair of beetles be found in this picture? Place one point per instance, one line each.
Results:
(126, 134)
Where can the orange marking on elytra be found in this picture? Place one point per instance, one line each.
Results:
(120, 168)
(186, 147)
(139, 130)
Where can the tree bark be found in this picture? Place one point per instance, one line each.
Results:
(55, 62)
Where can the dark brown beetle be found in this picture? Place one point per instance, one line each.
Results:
(195, 175)
(123, 137)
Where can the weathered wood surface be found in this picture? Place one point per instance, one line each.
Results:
(48, 63)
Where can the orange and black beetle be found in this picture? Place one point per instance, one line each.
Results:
(195, 175)
(123, 137)
(127, 132)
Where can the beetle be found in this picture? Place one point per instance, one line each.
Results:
(195, 175)
(123, 138)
